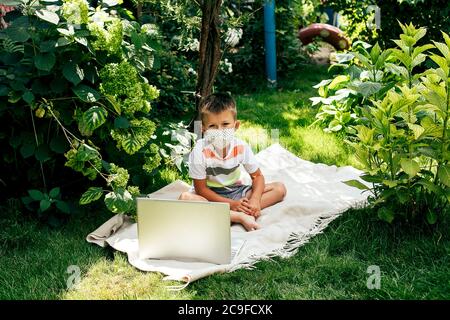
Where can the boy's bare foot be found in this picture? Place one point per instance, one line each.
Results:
(249, 222)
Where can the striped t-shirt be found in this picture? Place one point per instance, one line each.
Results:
(206, 163)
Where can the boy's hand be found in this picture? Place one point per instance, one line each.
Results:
(255, 206)
(241, 205)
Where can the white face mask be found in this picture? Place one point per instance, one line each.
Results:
(219, 138)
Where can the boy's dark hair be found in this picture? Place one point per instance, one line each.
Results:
(218, 102)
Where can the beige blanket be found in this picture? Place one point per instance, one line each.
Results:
(315, 196)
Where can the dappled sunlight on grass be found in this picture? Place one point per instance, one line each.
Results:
(119, 280)
(291, 114)
(317, 146)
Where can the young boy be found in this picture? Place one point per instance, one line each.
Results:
(214, 165)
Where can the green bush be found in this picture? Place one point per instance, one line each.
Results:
(357, 19)
(402, 139)
(73, 95)
(367, 74)
(247, 56)
(432, 14)
(174, 71)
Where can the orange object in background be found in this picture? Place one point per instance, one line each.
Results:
(328, 33)
(5, 9)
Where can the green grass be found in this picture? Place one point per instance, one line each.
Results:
(414, 261)
(289, 111)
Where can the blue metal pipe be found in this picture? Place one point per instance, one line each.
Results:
(269, 41)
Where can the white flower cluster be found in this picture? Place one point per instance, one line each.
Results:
(233, 36)
(100, 17)
(150, 29)
(75, 11)
(193, 45)
(226, 66)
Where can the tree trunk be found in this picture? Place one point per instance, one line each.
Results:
(209, 52)
(139, 10)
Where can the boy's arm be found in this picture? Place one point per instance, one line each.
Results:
(258, 183)
(254, 201)
(202, 189)
(251, 164)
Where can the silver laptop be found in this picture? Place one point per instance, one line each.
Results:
(184, 230)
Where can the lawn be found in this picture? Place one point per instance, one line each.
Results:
(414, 261)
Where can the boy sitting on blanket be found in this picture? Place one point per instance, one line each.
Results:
(214, 165)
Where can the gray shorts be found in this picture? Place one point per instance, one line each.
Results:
(235, 191)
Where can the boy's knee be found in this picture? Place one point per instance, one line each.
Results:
(280, 188)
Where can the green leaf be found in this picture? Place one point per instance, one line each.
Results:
(385, 214)
(47, 46)
(54, 192)
(44, 204)
(322, 83)
(73, 73)
(120, 201)
(402, 57)
(42, 153)
(27, 150)
(63, 42)
(411, 167)
(356, 184)
(365, 134)
(447, 194)
(444, 174)
(368, 88)
(420, 33)
(375, 52)
(67, 32)
(114, 103)
(382, 59)
(86, 153)
(48, 16)
(364, 60)
(430, 186)
(417, 130)
(397, 70)
(390, 183)
(94, 117)
(15, 141)
(92, 194)
(441, 62)
(63, 206)
(442, 47)
(59, 144)
(4, 90)
(418, 60)
(28, 97)
(372, 179)
(336, 81)
(90, 74)
(431, 217)
(131, 144)
(44, 61)
(85, 93)
(18, 30)
(81, 40)
(26, 200)
(36, 194)
(121, 123)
